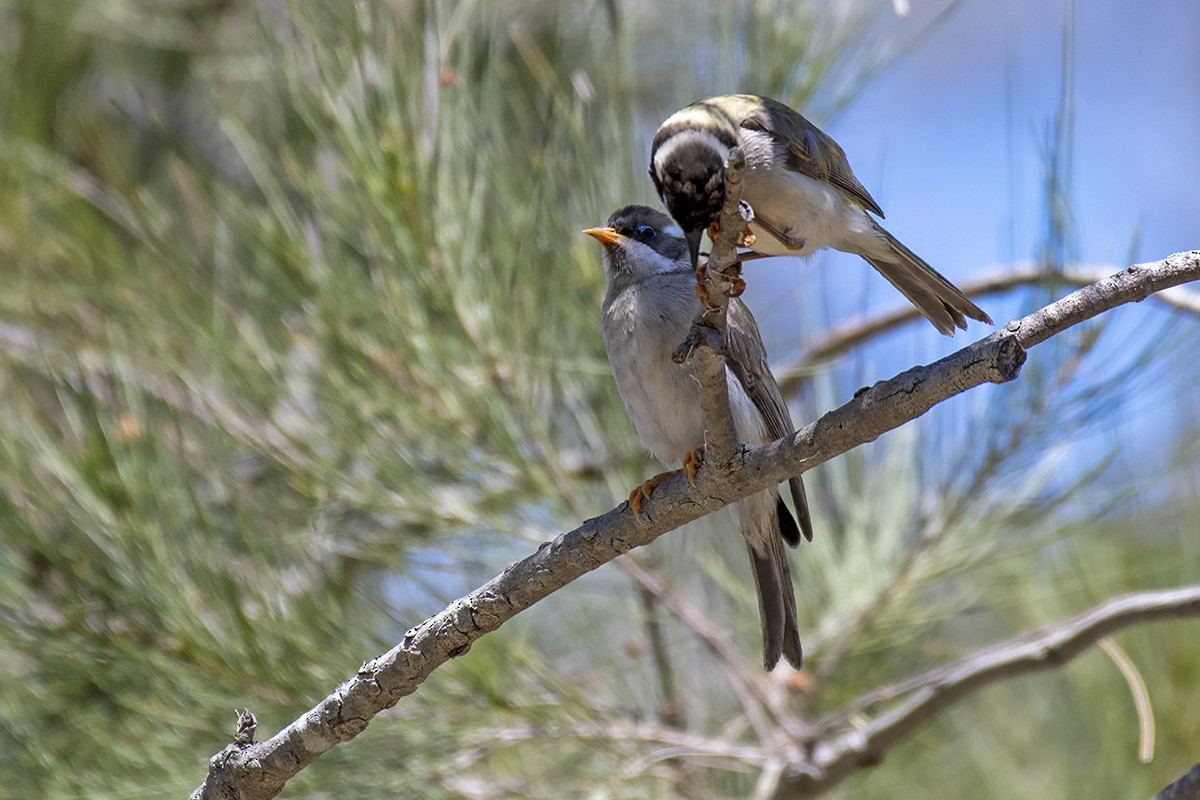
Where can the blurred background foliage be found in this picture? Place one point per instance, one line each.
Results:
(299, 341)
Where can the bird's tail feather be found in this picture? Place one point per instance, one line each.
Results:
(803, 515)
(939, 300)
(776, 597)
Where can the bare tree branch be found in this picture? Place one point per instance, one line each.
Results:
(252, 771)
(705, 342)
(1046, 648)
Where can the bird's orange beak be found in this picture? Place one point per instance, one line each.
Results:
(605, 235)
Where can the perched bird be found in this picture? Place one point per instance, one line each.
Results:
(648, 310)
(801, 189)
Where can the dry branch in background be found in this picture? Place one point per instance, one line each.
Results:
(842, 748)
(846, 336)
(256, 771)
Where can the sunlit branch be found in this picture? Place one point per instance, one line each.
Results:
(251, 771)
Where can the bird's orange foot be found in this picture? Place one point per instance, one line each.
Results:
(736, 288)
(641, 493)
(701, 292)
(692, 460)
(747, 239)
(788, 239)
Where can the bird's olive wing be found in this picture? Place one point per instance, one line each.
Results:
(810, 150)
(747, 359)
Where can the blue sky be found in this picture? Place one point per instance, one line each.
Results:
(949, 138)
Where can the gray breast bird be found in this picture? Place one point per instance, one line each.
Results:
(648, 310)
(801, 189)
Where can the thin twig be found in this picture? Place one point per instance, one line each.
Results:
(748, 690)
(670, 712)
(839, 754)
(1140, 694)
(680, 743)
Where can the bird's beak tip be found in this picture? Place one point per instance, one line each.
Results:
(605, 235)
(693, 242)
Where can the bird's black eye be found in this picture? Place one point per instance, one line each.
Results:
(646, 233)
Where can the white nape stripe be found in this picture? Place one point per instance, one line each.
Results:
(662, 264)
(672, 231)
(648, 255)
(688, 137)
(694, 116)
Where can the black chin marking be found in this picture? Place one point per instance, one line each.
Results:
(692, 184)
(693, 243)
(695, 206)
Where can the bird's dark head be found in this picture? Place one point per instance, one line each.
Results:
(690, 179)
(640, 242)
(687, 165)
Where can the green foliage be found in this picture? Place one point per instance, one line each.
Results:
(300, 341)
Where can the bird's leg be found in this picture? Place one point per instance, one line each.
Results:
(641, 493)
(736, 287)
(701, 292)
(788, 240)
(747, 239)
(692, 460)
